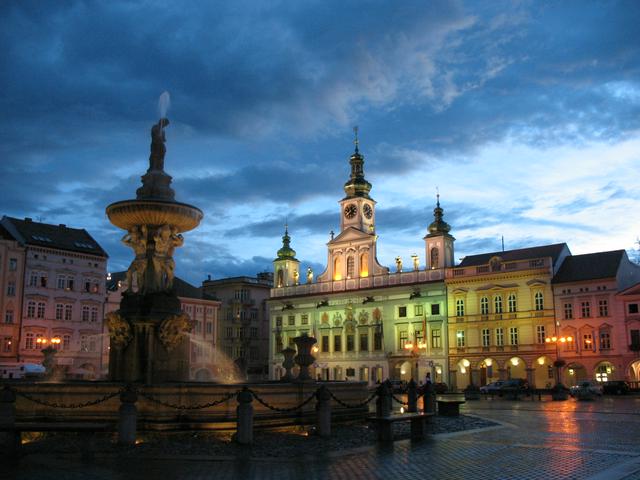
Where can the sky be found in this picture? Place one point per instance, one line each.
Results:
(525, 115)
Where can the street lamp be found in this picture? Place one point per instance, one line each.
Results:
(49, 352)
(559, 363)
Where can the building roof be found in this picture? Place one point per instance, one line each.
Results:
(554, 251)
(590, 266)
(28, 232)
(182, 288)
(4, 234)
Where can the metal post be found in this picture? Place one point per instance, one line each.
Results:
(412, 397)
(244, 411)
(429, 398)
(128, 416)
(383, 404)
(323, 409)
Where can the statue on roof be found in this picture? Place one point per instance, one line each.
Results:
(158, 150)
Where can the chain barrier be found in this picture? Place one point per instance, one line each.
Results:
(276, 409)
(188, 407)
(70, 405)
(398, 400)
(353, 405)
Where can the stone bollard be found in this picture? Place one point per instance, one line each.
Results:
(244, 412)
(10, 439)
(429, 399)
(383, 402)
(323, 410)
(412, 397)
(128, 416)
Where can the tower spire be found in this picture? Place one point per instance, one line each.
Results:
(357, 185)
(355, 141)
(438, 225)
(286, 251)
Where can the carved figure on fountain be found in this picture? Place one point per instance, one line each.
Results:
(119, 330)
(136, 238)
(166, 240)
(174, 329)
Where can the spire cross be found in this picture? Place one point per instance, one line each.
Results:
(355, 132)
(438, 196)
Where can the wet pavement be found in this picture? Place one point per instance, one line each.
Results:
(597, 440)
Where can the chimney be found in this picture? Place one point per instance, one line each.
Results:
(62, 225)
(27, 219)
(209, 277)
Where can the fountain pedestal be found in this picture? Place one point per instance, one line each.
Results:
(304, 358)
(148, 331)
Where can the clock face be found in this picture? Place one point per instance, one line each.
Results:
(367, 210)
(350, 210)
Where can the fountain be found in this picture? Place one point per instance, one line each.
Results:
(148, 331)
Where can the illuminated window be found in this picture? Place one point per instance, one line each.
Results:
(460, 342)
(587, 341)
(364, 265)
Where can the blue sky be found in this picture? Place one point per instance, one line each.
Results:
(525, 115)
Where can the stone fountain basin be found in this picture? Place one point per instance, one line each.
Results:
(131, 213)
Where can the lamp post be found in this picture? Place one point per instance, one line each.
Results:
(414, 348)
(559, 392)
(49, 348)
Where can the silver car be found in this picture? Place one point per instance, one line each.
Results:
(586, 386)
(493, 387)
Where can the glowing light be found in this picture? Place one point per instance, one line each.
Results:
(514, 361)
(465, 363)
(571, 372)
(562, 339)
(541, 361)
(459, 334)
(569, 339)
(463, 370)
(547, 340)
(554, 339)
(408, 346)
(488, 362)
(401, 409)
(315, 349)
(337, 276)
(439, 370)
(402, 372)
(364, 273)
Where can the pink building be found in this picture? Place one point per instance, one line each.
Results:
(62, 295)
(203, 311)
(11, 282)
(630, 300)
(591, 319)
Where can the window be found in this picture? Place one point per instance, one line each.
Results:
(29, 343)
(198, 327)
(460, 339)
(325, 343)
(41, 309)
(513, 335)
(402, 312)
(568, 311)
(59, 311)
(460, 307)
(434, 257)
(278, 321)
(254, 330)
(364, 342)
(403, 338)
(603, 308)
(7, 344)
(254, 313)
(351, 267)
(66, 342)
(419, 337)
(337, 343)
(435, 309)
(540, 333)
(94, 314)
(68, 312)
(291, 320)
(85, 313)
(418, 310)
(436, 338)
(13, 264)
(500, 337)
(241, 332)
(33, 279)
(304, 319)
(497, 303)
(605, 340)
(8, 316)
(586, 310)
(635, 338)
(92, 343)
(512, 303)
(484, 306)
(633, 308)
(377, 341)
(61, 282)
(587, 341)
(253, 353)
(31, 309)
(486, 336)
(11, 289)
(350, 343)
(539, 301)
(229, 332)
(84, 343)
(69, 285)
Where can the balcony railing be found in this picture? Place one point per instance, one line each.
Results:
(505, 266)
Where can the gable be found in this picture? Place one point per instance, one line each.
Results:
(349, 235)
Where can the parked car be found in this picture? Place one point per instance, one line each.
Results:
(514, 384)
(493, 387)
(586, 387)
(616, 387)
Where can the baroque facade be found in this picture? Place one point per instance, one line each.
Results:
(370, 323)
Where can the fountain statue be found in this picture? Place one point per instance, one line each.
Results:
(148, 331)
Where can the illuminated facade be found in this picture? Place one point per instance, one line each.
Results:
(500, 313)
(370, 323)
(596, 318)
(11, 286)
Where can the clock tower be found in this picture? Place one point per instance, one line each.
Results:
(438, 242)
(352, 253)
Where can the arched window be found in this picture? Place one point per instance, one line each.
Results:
(351, 267)
(280, 279)
(435, 259)
(364, 264)
(337, 268)
(513, 306)
(497, 303)
(484, 306)
(539, 301)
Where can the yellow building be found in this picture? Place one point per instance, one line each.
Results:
(500, 309)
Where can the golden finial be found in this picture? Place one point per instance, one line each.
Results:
(355, 132)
